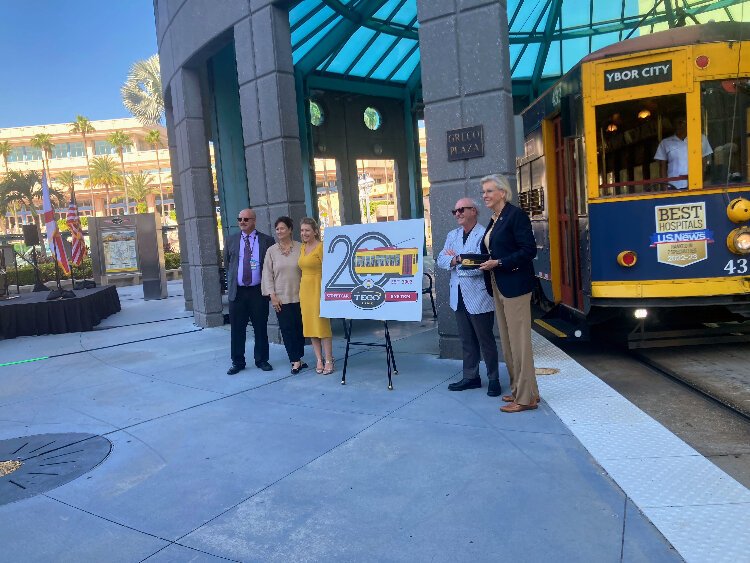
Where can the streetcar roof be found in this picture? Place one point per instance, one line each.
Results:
(713, 32)
(676, 37)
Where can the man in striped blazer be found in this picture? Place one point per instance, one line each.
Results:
(475, 309)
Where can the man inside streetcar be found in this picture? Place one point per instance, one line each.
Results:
(673, 153)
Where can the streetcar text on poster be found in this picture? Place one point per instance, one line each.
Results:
(373, 271)
(681, 236)
(120, 255)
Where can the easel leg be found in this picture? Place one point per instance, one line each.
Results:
(348, 334)
(389, 358)
(390, 347)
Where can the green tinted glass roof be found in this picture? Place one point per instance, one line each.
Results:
(378, 39)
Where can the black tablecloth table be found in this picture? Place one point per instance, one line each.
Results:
(31, 314)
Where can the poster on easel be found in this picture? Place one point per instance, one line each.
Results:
(373, 271)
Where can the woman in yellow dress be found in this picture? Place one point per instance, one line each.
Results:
(317, 329)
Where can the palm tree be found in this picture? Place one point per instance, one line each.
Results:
(24, 188)
(141, 94)
(140, 187)
(44, 142)
(83, 126)
(67, 179)
(120, 141)
(5, 150)
(153, 138)
(104, 172)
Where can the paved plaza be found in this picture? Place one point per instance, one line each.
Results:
(274, 467)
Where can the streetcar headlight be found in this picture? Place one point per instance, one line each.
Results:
(640, 313)
(738, 241)
(738, 210)
(627, 258)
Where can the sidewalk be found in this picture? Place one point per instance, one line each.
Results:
(273, 467)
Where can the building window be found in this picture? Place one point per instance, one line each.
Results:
(67, 150)
(317, 117)
(60, 150)
(103, 147)
(372, 119)
(76, 149)
(21, 154)
(16, 154)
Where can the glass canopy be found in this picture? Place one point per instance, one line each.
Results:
(378, 39)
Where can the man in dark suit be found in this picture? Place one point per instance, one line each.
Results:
(244, 253)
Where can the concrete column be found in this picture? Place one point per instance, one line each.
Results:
(100, 206)
(268, 103)
(197, 203)
(347, 180)
(151, 203)
(466, 81)
(187, 290)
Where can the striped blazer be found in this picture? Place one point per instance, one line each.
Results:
(471, 281)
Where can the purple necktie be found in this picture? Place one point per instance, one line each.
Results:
(247, 273)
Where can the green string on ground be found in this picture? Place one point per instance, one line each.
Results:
(24, 361)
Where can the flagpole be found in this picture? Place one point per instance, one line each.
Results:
(72, 236)
(55, 240)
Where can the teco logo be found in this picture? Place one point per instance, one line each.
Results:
(368, 298)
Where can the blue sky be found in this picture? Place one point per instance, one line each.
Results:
(66, 57)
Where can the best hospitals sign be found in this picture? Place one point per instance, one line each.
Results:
(682, 234)
(373, 271)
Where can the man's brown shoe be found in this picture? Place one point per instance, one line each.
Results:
(515, 407)
(508, 398)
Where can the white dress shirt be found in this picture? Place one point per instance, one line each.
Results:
(675, 151)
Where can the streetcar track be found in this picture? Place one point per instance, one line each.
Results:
(685, 382)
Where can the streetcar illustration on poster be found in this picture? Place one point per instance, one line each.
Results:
(373, 271)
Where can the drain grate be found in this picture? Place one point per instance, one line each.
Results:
(37, 464)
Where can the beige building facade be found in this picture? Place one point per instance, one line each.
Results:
(69, 154)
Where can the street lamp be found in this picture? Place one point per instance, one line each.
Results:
(365, 183)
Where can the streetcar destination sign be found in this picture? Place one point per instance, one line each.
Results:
(639, 75)
(466, 143)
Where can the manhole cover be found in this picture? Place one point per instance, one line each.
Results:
(36, 464)
(547, 371)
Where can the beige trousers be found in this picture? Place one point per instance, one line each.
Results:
(514, 324)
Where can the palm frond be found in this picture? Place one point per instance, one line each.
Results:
(142, 94)
(140, 186)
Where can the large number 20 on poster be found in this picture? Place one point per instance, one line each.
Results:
(373, 271)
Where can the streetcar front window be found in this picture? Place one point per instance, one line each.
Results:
(725, 114)
(636, 142)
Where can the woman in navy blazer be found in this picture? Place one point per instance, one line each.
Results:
(509, 278)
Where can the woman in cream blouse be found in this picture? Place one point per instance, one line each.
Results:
(280, 281)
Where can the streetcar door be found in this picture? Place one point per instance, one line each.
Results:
(406, 271)
(565, 167)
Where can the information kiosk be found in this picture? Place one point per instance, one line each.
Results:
(128, 247)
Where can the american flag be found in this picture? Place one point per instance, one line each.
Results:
(54, 240)
(78, 251)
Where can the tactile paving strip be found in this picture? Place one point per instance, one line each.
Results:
(641, 440)
(724, 533)
(702, 511)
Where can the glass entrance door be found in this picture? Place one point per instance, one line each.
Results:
(378, 188)
(327, 193)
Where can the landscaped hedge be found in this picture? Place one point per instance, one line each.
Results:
(47, 270)
(47, 273)
(171, 260)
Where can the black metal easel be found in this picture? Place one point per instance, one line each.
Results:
(389, 356)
